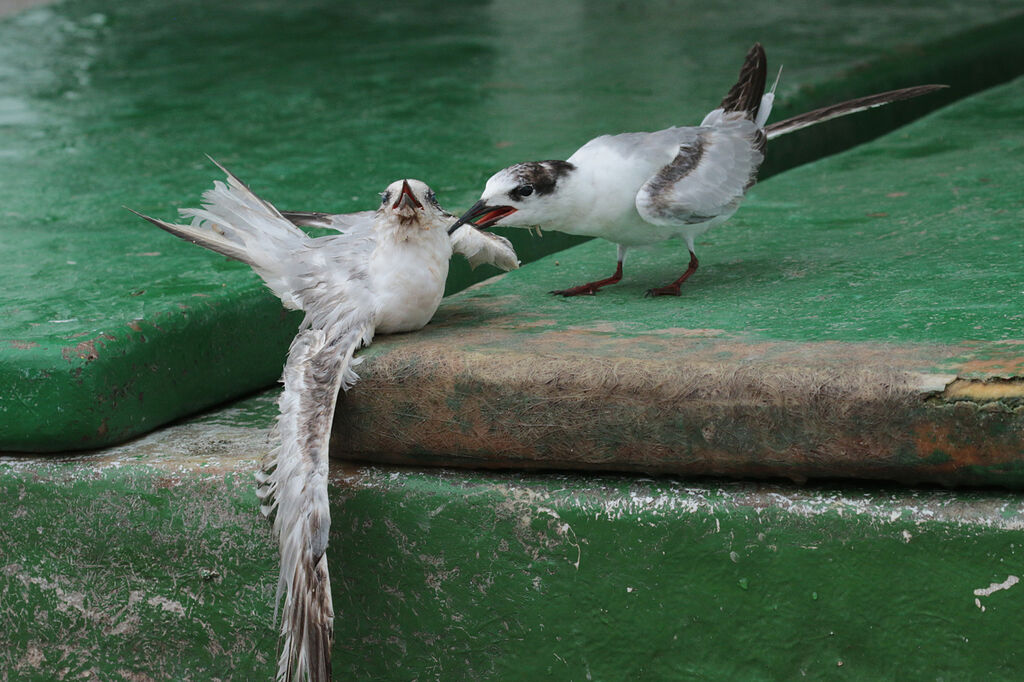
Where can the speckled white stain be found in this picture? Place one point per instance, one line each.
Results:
(994, 587)
(167, 604)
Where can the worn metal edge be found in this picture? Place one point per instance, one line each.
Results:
(681, 406)
(121, 382)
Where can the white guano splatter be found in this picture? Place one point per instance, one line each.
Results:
(994, 587)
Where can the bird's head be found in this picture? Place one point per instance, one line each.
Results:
(412, 202)
(523, 195)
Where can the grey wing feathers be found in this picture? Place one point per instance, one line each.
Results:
(207, 238)
(342, 222)
(242, 190)
(233, 221)
(233, 211)
(708, 176)
(483, 247)
(844, 108)
(293, 485)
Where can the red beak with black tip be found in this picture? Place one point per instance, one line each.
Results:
(406, 198)
(482, 216)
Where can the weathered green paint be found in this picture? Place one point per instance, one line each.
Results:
(817, 339)
(109, 327)
(517, 577)
(150, 561)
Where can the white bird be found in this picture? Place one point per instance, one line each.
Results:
(637, 189)
(384, 273)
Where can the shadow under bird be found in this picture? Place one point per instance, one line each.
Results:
(384, 272)
(638, 189)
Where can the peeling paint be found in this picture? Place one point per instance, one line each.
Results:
(985, 390)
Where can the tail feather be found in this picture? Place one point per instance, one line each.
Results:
(845, 108)
(767, 100)
(746, 94)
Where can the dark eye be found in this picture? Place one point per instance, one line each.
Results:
(431, 197)
(525, 190)
(385, 197)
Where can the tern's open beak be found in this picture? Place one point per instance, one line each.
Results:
(482, 216)
(406, 198)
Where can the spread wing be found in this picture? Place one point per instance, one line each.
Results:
(294, 485)
(342, 222)
(483, 247)
(708, 176)
(325, 277)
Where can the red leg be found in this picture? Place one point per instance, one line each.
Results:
(591, 287)
(673, 289)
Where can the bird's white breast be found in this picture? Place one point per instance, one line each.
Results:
(602, 192)
(408, 271)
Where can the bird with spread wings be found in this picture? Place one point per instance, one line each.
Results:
(382, 272)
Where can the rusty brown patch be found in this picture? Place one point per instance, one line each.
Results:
(86, 350)
(1006, 367)
(621, 413)
(660, 402)
(938, 439)
(24, 345)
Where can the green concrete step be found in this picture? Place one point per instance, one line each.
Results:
(109, 328)
(150, 561)
(861, 317)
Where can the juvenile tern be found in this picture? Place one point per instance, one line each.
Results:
(383, 273)
(637, 189)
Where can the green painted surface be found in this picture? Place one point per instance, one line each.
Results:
(512, 577)
(108, 327)
(819, 338)
(150, 561)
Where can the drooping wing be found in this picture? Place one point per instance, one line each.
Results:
(483, 247)
(708, 176)
(342, 222)
(294, 484)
